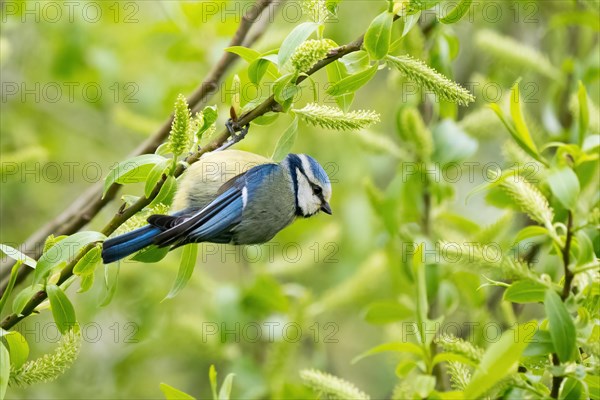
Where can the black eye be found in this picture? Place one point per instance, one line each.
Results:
(317, 190)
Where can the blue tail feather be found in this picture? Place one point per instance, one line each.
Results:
(121, 246)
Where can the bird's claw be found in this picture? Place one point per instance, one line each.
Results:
(236, 133)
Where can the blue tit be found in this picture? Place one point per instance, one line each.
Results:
(251, 207)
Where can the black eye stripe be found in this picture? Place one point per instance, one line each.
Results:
(317, 190)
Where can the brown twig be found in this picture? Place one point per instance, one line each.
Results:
(557, 380)
(566, 257)
(118, 219)
(89, 204)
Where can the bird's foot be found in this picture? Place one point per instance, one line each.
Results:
(236, 133)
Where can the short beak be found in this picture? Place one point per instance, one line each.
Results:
(326, 208)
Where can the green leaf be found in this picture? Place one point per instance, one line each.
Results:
(286, 141)
(86, 283)
(111, 277)
(378, 36)
(453, 44)
(164, 149)
(151, 254)
(4, 370)
(565, 186)
(271, 56)
(62, 309)
(17, 255)
(209, 117)
(270, 117)
(298, 35)
(332, 6)
(409, 22)
(525, 291)
(155, 175)
(186, 268)
(529, 232)
(499, 360)
(584, 116)
(336, 71)
(17, 347)
(21, 299)
(356, 62)
(386, 312)
(63, 251)
(400, 347)
(257, 69)
(166, 193)
(352, 83)
(561, 326)
(457, 12)
(212, 377)
(405, 366)
(134, 170)
(10, 285)
(585, 253)
(449, 395)
(284, 88)
(174, 394)
(423, 385)
(518, 128)
(540, 345)
(516, 135)
(87, 264)
(225, 392)
(245, 53)
(572, 389)
(593, 384)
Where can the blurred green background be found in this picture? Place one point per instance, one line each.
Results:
(59, 134)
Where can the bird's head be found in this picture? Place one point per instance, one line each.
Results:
(311, 184)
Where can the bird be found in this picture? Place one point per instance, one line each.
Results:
(251, 207)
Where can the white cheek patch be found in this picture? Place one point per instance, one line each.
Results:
(307, 201)
(244, 197)
(307, 167)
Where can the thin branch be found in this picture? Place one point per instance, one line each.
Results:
(566, 250)
(91, 202)
(566, 258)
(556, 380)
(123, 215)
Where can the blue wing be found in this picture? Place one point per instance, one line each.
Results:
(216, 221)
